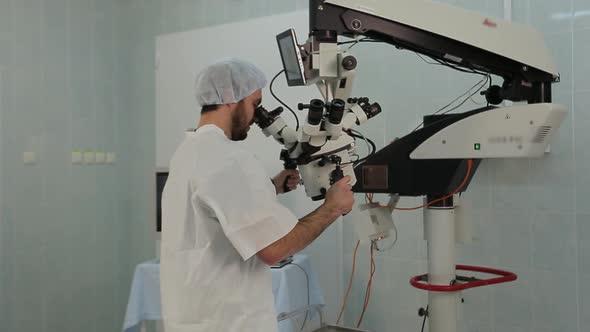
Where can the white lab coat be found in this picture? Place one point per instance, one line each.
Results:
(219, 209)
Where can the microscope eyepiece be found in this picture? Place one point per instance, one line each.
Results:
(316, 112)
(336, 111)
(264, 118)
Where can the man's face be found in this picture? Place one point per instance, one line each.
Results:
(243, 116)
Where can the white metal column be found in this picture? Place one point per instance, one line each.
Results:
(439, 223)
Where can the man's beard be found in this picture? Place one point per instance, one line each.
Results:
(239, 129)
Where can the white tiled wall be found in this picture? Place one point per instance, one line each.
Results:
(70, 234)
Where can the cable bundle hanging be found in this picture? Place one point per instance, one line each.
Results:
(369, 286)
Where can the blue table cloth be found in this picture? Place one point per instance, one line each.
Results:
(289, 286)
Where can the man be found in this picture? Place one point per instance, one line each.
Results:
(222, 223)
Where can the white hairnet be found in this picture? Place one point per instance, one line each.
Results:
(228, 81)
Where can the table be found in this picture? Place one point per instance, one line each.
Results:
(289, 286)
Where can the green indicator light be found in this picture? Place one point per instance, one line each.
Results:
(477, 146)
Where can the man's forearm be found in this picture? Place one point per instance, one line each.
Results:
(307, 229)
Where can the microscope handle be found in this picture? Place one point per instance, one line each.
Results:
(285, 187)
(337, 175)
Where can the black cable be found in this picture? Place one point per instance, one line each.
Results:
(468, 70)
(452, 66)
(424, 320)
(438, 62)
(354, 162)
(465, 69)
(355, 42)
(466, 99)
(280, 101)
(308, 297)
(371, 143)
(484, 81)
(466, 92)
(358, 135)
(430, 63)
(363, 40)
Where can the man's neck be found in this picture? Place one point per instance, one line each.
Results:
(223, 121)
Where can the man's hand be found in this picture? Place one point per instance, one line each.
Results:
(340, 198)
(291, 176)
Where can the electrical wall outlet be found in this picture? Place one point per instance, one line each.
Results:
(100, 157)
(29, 158)
(76, 157)
(89, 157)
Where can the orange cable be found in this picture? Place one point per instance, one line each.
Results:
(349, 283)
(369, 285)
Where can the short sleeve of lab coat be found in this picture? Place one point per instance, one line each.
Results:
(243, 199)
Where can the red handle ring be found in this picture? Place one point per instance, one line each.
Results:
(505, 276)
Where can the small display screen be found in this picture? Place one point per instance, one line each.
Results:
(292, 62)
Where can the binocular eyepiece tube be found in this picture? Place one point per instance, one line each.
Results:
(335, 111)
(264, 118)
(316, 111)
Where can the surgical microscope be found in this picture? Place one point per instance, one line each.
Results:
(438, 160)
